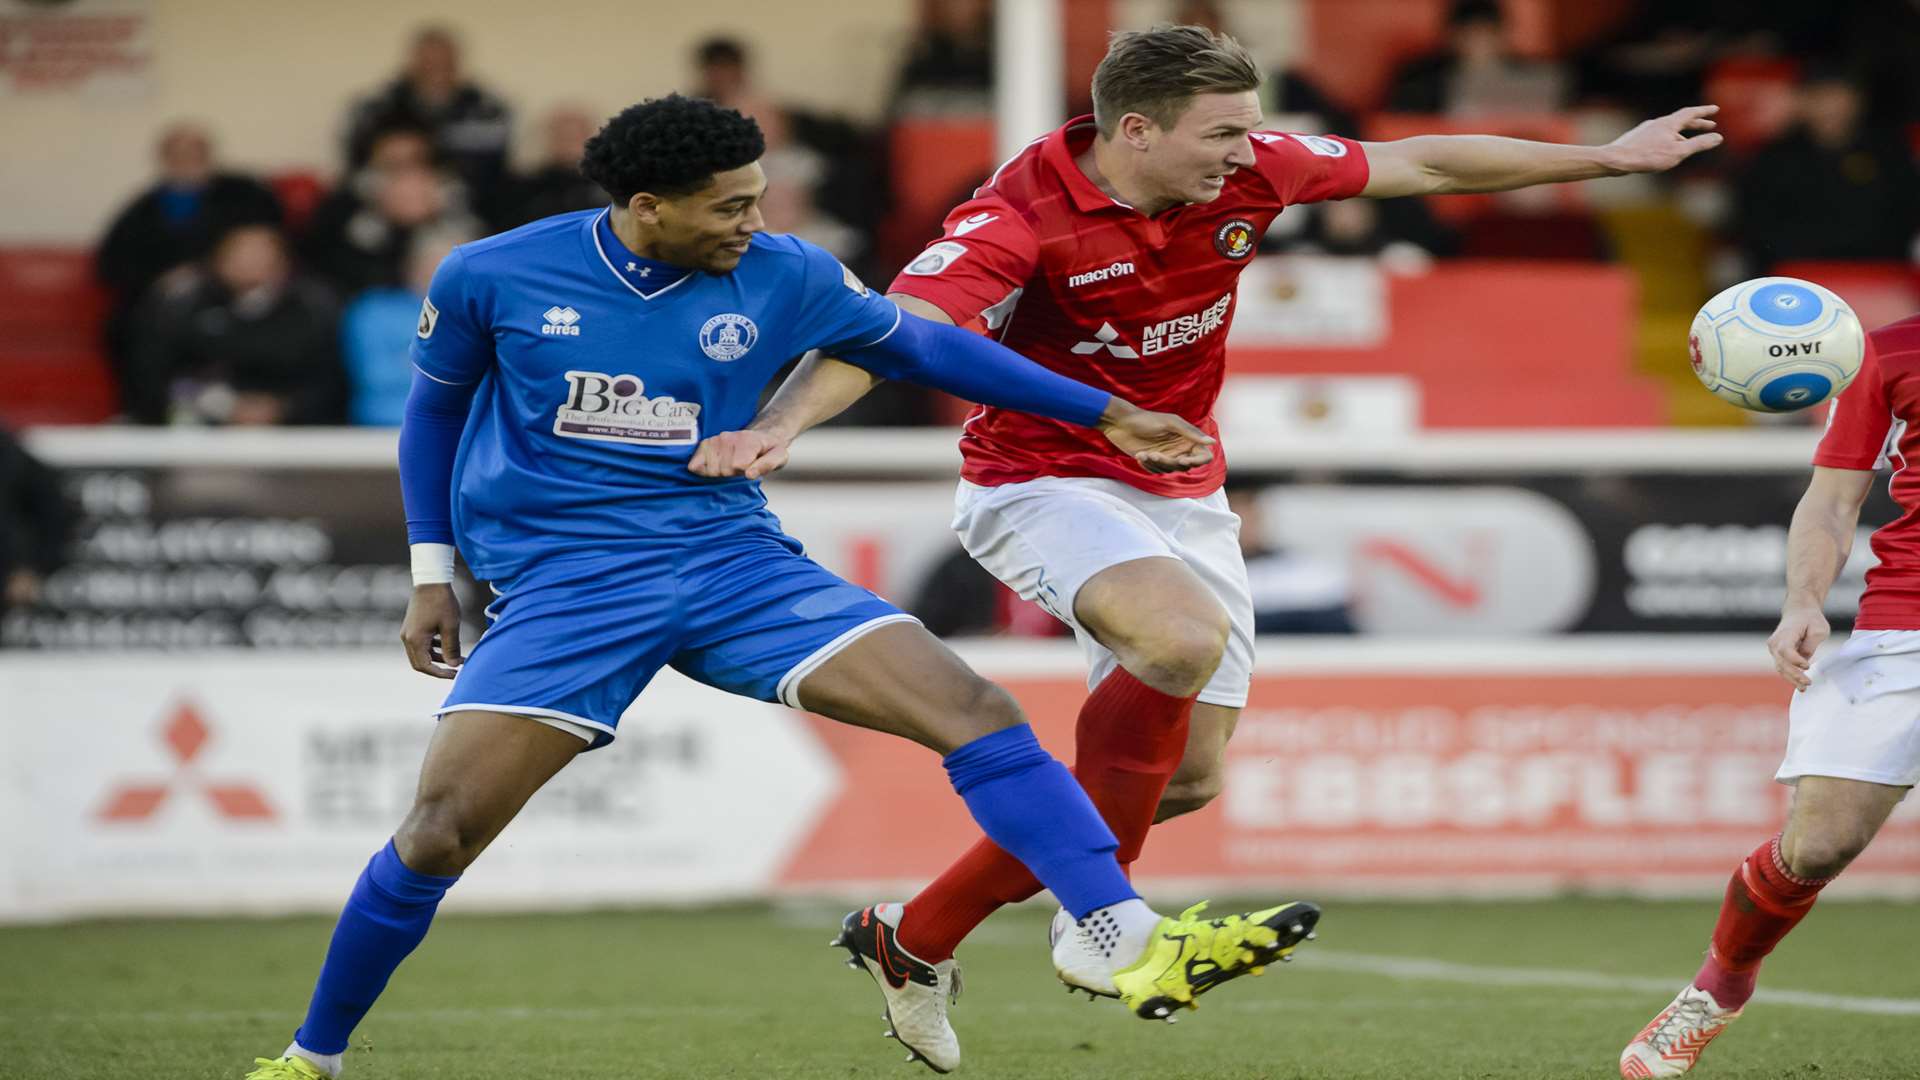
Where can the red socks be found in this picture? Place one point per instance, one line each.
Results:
(1127, 745)
(1763, 902)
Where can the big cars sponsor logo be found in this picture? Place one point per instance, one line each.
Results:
(615, 408)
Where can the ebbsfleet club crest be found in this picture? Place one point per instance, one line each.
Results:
(1234, 239)
(728, 337)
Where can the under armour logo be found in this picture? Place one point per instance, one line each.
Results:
(1105, 338)
(634, 268)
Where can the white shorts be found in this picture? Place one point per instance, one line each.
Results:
(1045, 538)
(1860, 720)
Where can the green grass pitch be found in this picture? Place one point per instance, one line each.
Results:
(1401, 990)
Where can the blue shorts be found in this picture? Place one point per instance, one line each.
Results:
(574, 640)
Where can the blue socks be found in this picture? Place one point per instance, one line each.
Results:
(386, 917)
(1032, 807)
(1022, 798)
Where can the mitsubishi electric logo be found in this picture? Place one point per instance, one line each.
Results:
(1104, 339)
(561, 322)
(185, 735)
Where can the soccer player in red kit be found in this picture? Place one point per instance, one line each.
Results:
(1853, 729)
(1110, 249)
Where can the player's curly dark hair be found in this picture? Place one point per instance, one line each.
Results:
(669, 146)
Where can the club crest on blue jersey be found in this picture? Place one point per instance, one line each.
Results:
(615, 408)
(728, 337)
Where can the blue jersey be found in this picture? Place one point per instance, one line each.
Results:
(593, 392)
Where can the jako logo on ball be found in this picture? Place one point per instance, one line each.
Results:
(1776, 344)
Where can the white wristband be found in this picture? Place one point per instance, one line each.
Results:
(432, 563)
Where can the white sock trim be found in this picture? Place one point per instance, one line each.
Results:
(331, 1064)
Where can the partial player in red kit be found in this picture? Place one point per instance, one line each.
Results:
(1111, 249)
(1853, 729)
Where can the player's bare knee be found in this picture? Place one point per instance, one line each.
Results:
(1824, 853)
(1184, 796)
(984, 708)
(434, 839)
(1181, 655)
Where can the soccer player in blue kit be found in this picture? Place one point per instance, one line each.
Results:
(566, 374)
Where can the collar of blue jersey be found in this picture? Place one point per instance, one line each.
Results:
(646, 277)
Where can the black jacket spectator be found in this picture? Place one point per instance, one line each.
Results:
(361, 236)
(243, 342)
(471, 127)
(949, 64)
(172, 223)
(1831, 187)
(555, 186)
(166, 227)
(1801, 200)
(36, 522)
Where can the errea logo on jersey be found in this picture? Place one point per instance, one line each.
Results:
(561, 322)
(615, 408)
(1119, 269)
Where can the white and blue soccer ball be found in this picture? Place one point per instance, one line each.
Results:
(1776, 344)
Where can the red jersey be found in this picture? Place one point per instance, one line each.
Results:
(1876, 421)
(1091, 288)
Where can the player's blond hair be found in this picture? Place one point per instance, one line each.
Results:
(1157, 72)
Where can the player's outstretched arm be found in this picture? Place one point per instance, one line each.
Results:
(975, 368)
(1460, 164)
(1817, 546)
(819, 389)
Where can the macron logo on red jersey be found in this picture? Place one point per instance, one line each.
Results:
(1119, 269)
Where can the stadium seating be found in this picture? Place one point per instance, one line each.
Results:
(52, 370)
(1555, 352)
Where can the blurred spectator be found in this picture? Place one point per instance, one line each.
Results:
(36, 523)
(470, 126)
(242, 341)
(823, 179)
(172, 223)
(959, 598)
(1297, 102)
(1657, 60)
(796, 176)
(1400, 231)
(555, 186)
(1293, 593)
(720, 71)
(949, 65)
(377, 330)
(1831, 187)
(1475, 72)
(360, 237)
